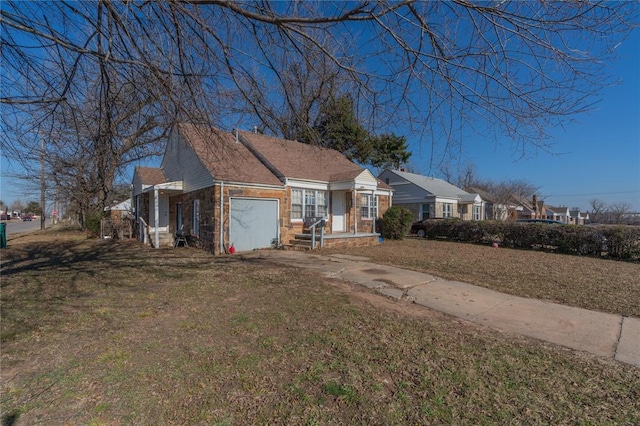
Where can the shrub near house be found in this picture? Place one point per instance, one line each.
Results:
(396, 222)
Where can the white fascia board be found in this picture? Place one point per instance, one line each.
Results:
(382, 191)
(167, 186)
(346, 185)
(307, 184)
(439, 199)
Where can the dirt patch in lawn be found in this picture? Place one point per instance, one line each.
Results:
(111, 332)
(596, 284)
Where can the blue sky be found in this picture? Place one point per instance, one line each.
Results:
(597, 156)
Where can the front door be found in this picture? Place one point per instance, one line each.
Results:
(338, 211)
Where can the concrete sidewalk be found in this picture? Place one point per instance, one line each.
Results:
(599, 333)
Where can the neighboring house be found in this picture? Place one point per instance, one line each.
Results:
(253, 191)
(119, 211)
(428, 197)
(496, 209)
(117, 221)
(535, 209)
(578, 218)
(560, 214)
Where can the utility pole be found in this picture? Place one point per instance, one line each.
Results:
(43, 187)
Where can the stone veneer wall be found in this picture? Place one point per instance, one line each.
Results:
(205, 237)
(367, 225)
(351, 242)
(247, 192)
(209, 235)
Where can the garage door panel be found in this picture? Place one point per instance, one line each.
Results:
(254, 223)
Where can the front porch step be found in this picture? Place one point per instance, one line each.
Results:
(165, 239)
(306, 237)
(301, 243)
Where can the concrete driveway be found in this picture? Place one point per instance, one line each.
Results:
(599, 333)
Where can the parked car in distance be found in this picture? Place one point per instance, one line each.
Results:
(27, 218)
(547, 221)
(419, 228)
(5, 217)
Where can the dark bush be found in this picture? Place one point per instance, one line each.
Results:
(396, 223)
(617, 242)
(92, 223)
(622, 242)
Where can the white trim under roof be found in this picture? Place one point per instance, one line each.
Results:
(167, 186)
(307, 184)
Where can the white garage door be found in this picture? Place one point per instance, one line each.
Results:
(253, 223)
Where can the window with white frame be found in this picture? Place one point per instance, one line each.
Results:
(425, 211)
(368, 206)
(476, 212)
(308, 203)
(196, 217)
(447, 210)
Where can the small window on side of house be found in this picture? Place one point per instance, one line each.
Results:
(447, 210)
(196, 218)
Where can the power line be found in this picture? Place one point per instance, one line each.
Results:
(594, 194)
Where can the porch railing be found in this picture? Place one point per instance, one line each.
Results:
(144, 231)
(321, 223)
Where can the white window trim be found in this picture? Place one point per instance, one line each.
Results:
(477, 212)
(195, 216)
(447, 210)
(371, 208)
(305, 207)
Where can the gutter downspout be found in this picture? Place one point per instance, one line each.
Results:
(355, 210)
(156, 224)
(221, 218)
(373, 199)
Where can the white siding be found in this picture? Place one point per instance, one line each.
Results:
(137, 185)
(404, 192)
(180, 163)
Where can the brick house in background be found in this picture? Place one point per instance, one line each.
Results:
(252, 191)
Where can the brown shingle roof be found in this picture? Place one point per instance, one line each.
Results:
(383, 185)
(225, 158)
(297, 160)
(150, 175)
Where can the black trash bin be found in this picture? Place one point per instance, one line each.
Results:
(3, 235)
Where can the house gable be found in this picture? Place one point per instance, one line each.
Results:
(414, 188)
(201, 156)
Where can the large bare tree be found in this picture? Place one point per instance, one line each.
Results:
(435, 68)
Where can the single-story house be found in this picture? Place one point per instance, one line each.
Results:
(560, 214)
(535, 209)
(120, 210)
(117, 222)
(577, 217)
(428, 197)
(252, 191)
(497, 207)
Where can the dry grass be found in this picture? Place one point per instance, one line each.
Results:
(108, 332)
(596, 284)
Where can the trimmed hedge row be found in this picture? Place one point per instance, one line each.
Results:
(613, 241)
